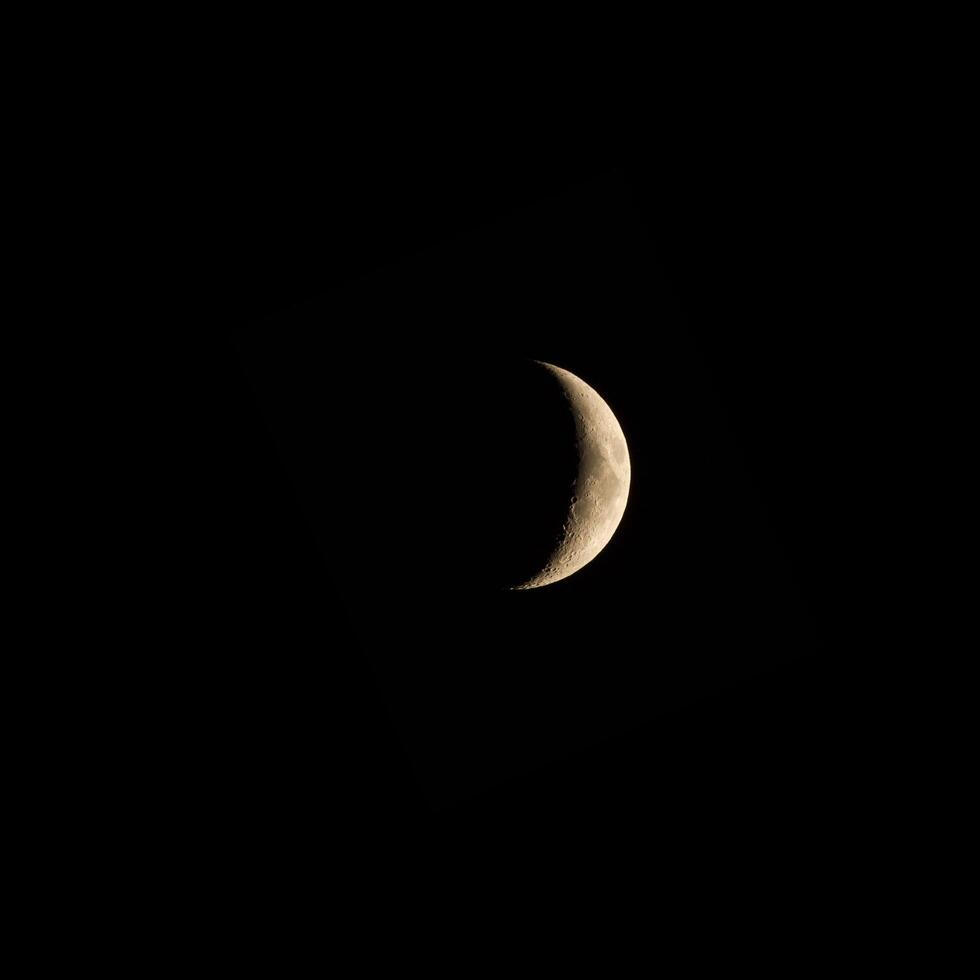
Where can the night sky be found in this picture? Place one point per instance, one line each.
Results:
(368, 315)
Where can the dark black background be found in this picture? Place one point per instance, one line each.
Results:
(703, 663)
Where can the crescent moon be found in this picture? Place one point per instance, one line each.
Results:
(601, 487)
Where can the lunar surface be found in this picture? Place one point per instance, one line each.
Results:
(597, 496)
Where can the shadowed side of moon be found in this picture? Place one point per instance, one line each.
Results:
(522, 470)
(498, 474)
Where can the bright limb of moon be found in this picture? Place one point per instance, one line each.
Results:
(598, 498)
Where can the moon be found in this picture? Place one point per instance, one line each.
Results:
(598, 494)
